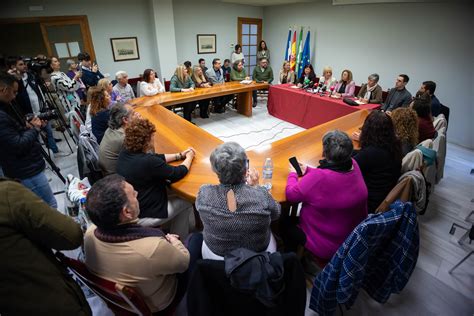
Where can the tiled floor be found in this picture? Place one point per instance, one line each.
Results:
(431, 290)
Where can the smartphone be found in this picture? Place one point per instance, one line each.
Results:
(296, 165)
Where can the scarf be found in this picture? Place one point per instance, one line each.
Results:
(126, 232)
(343, 166)
(369, 91)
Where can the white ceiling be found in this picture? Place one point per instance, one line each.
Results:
(264, 3)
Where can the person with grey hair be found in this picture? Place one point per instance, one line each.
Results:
(122, 88)
(370, 92)
(112, 142)
(334, 198)
(237, 212)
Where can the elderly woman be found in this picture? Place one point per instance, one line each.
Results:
(346, 86)
(98, 111)
(334, 197)
(182, 82)
(327, 79)
(122, 90)
(235, 213)
(371, 92)
(405, 122)
(286, 74)
(150, 174)
(238, 72)
(150, 85)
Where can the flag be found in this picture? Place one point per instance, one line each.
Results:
(306, 56)
(288, 46)
(293, 52)
(299, 52)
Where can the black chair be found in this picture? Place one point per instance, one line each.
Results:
(445, 111)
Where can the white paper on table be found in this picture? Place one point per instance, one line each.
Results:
(294, 87)
(359, 102)
(246, 81)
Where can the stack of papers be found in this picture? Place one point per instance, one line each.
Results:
(246, 81)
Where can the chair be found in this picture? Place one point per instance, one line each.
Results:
(122, 300)
(445, 110)
(439, 145)
(469, 234)
(167, 85)
(139, 92)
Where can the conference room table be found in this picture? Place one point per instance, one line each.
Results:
(174, 134)
(170, 99)
(305, 109)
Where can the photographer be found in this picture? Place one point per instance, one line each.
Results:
(90, 71)
(21, 156)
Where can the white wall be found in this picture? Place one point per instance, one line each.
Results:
(431, 41)
(208, 17)
(107, 19)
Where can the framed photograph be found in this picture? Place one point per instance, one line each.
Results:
(206, 43)
(125, 48)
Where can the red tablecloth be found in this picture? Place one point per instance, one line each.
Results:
(306, 109)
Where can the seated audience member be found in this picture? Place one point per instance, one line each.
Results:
(33, 282)
(216, 76)
(430, 87)
(202, 64)
(71, 73)
(422, 106)
(370, 92)
(405, 122)
(151, 174)
(286, 74)
(112, 142)
(65, 87)
(106, 85)
(398, 96)
(182, 82)
(307, 76)
(334, 198)
(90, 71)
(99, 112)
(150, 85)
(123, 90)
(262, 73)
(263, 51)
(379, 157)
(236, 207)
(237, 54)
(346, 86)
(226, 68)
(117, 248)
(327, 79)
(189, 67)
(200, 81)
(238, 72)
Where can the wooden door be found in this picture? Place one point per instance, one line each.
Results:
(249, 35)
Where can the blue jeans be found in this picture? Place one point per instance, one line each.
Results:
(40, 186)
(51, 142)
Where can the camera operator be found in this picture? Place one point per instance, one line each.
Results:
(29, 96)
(90, 71)
(20, 154)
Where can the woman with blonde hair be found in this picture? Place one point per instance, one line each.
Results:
(346, 86)
(405, 121)
(286, 74)
(182, 82)
(106, 85)
(200, 81)
(327, 79)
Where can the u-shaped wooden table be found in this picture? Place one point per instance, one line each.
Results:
(174, 134)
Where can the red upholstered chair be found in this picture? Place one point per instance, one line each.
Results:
(122, 300)
(167, 85)
(384, 95)
(356, 90)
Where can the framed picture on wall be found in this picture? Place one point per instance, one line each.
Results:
(206, 43)
(125, 48)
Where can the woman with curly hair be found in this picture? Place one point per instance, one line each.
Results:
(405, 122)
(150, 174)
(379, 158)
(99, 112)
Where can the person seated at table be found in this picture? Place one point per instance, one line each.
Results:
(327, 79)
(117, 248)
(216, 76)
(370, 92)
(200, 81)
(99, 111)
(422, 106)
(308, 77)
(226, 68)
(398, 96)
(202, 64)
(122, 89)
(379, 157)
(150, 85)
(151, 174)
(405, 122)
(182, 82)
(286, 74)
(237, 212)
(262, 73)
(106, 85)
(189, 67)
(238, 72)
(237, 54)
(334, 198)
(430, 87)
(346, 86)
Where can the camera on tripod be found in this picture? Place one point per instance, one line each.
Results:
(44, 116)
(36, 65)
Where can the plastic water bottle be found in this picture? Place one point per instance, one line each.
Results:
(267, 173)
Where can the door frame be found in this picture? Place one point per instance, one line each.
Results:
(242, 20)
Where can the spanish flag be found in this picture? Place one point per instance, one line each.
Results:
(293, 52)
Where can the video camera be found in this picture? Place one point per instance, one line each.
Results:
(37, 65)
(44, 116)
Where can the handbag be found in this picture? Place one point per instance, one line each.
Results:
(350, 102)
(429, 155)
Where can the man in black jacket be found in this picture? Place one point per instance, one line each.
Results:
(20, 154)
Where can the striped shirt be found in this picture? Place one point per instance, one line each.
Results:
(66, 89)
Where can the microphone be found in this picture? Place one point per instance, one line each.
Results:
(319, 87)
(323, 90)
(332, 89)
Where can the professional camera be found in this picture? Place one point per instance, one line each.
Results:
(44, 116)
(38, 64)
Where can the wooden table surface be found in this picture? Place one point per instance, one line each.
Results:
(175, 134)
